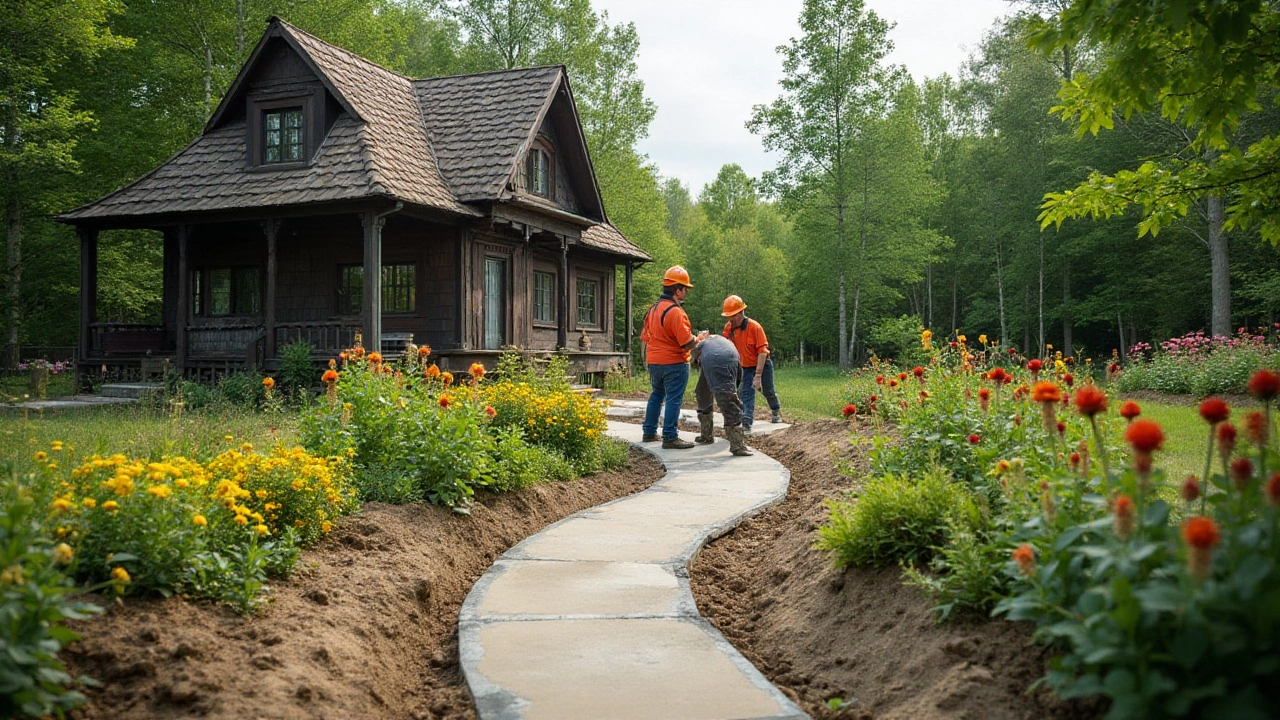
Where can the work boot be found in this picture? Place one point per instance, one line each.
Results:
(775, 417)
(676, 444)
(706, 429)
(650, 438)
(737, 441)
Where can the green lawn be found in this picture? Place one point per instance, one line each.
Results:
(141, 431)
(1185, 439)
(806, 392)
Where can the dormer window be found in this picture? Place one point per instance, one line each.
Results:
(282, 135)
(538, 171)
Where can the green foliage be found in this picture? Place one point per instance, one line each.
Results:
(897, 518)
(965, 578)
(899, 340)
(523, 465)
(35, 603)
(1224, 368)
(297, 373)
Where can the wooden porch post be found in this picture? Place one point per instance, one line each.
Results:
(184, 296)
(169, 298)
(463, 311)
(562, 327)
(88, 287)
(628, 272)
(371, 315)
(272, 227)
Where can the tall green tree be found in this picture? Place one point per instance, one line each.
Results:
(40, 123)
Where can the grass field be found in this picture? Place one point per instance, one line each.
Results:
(806, 392)
(141, 432)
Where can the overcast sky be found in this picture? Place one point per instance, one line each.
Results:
(707, 62)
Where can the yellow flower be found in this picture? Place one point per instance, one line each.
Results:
(62, 505)
(982, 339)
(262, 529)
(56, 445)
(160, 491)
(90, 503)
(200, 520)
(63, 553)
(111, 506)
(41, 455)
(241, 520)
(181, 483)
(120, 575)
(962, 339)
(228, 438)
(326, 526)
(12, 575)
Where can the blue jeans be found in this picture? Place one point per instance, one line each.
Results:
(747, 392)
(667, 384)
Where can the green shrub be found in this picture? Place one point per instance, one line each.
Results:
(522, 465)
(896, 518)
(34, 603)
(965, 577)
(297, 373)
(899, 339)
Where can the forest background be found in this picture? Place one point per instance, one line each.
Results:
(896, 206)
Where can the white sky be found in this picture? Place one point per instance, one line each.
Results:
(707, 62)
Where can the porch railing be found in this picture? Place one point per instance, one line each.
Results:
(126, 339)
(328, 337)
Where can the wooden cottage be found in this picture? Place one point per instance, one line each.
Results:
(471, 199)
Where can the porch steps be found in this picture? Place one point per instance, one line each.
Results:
(129, 390)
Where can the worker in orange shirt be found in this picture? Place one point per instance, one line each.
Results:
(667, 338)
(757, 365)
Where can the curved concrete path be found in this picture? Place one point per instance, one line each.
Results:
(593, 617)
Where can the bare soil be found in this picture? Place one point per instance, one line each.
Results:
(367, 627)
(859, 634)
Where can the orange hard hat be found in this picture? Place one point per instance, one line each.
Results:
(733, 305)
(676, 275)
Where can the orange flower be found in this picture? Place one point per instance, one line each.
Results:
(1090, 400)
(1123, 516)
(1201, 535)
(329, 377)
(476, 370)
(375, 357)
(1130, 410)
(984, 399)
(1145, 436)
(432, 372)
(333, 364)
(1025, 557)
(268, 383)
(918, 372)
(488, 410)
(850, 410)
(447, 378)
(424, 352)
(1046, 391)
(444, 401)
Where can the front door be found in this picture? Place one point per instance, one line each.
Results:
(495, 303)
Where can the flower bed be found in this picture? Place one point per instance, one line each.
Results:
(1161, 593)
(1200, 365)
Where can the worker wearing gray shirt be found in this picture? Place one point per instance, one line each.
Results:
(718, 381)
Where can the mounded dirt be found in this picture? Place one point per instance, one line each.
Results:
(860, 635)
(367, 627)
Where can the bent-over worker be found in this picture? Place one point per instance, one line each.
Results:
(721, 372)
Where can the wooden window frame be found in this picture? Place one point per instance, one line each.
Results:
(544, 146)
(202, 292)
(598, 283)
(533, 289)
(255, 122)
(348, 312)
(505, 329)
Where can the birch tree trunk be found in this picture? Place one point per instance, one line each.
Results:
(1004, 329)
(13, 243)
(844, 348)
(240, 28)
(1040, 337)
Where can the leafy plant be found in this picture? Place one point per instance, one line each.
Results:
(297, 373)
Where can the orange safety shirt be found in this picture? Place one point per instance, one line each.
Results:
(750, 340)
(666, 332)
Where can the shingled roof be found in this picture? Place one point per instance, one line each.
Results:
(439, 143)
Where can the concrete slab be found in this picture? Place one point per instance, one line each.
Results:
(688, 417)
(593, 617)
(641, 669)
(565, 589)
(70, 402)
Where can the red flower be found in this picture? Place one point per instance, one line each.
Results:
(997, 375)
(984, 394)
(1113, 368)
(1069, 379)
(488, 410)
(1075, 460)
(1062, 428)
(445, 400)
(1026, 559)
(1046, 391)
(1013, 351)
(974, 439)
(924, 394)
(954, 345)
(1130, 410)
(879, 379)
(1090, 400)
(1226, 438)
(1200, 532)
(918, 371)
(873, 398)
(1272, 490)
(1255, 428)
(1035, 366)
(1214, 410)
(893, 383)
(1190, 488)
(1123, 519)
(902, 376)
(1264, 385)
(329, 376)
(850, 410)
(1241, 471)
(1145, 436)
